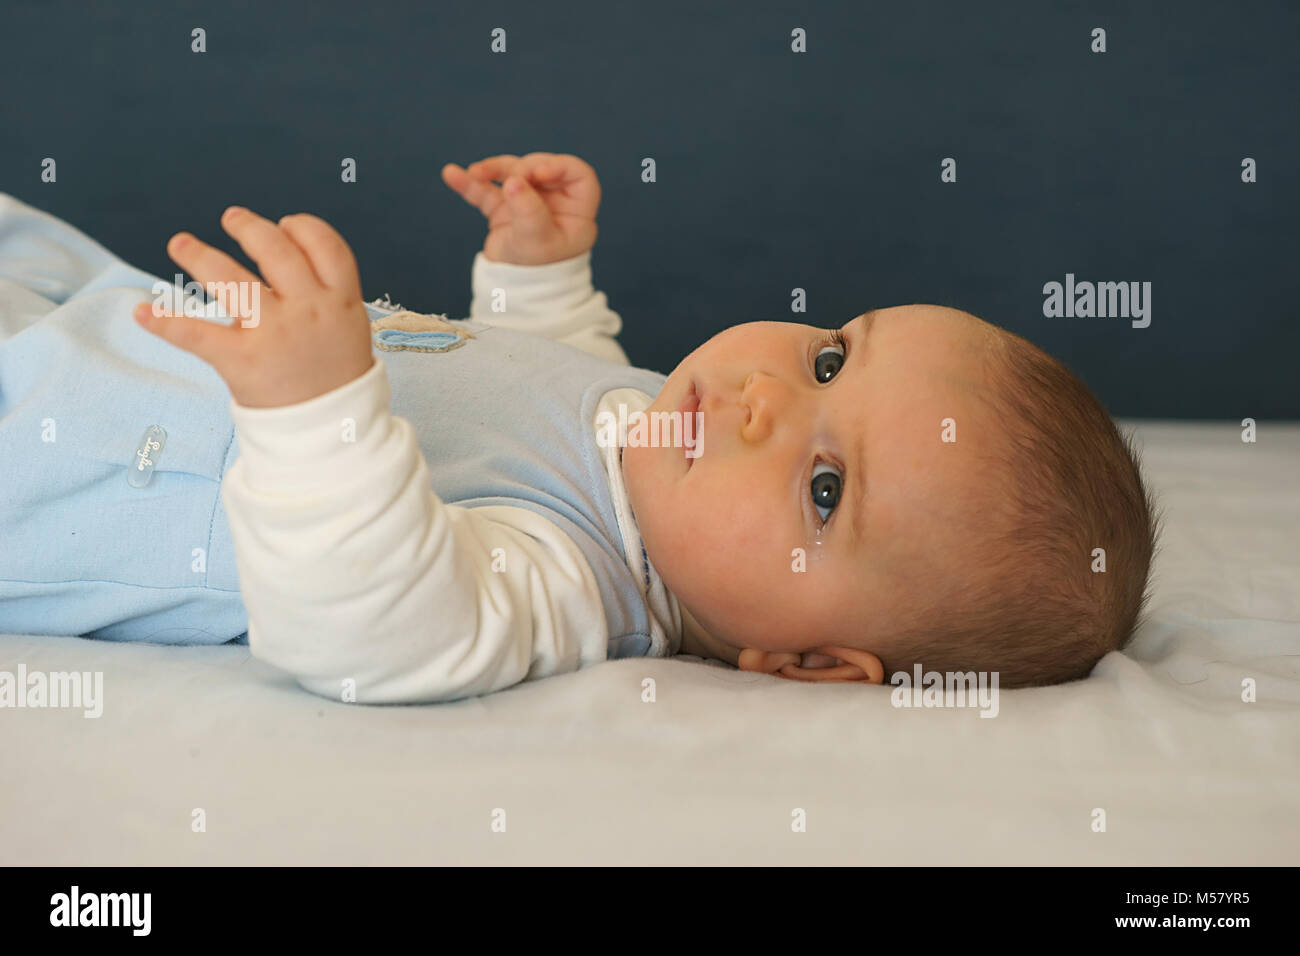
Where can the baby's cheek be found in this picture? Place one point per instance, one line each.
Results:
(733, 522)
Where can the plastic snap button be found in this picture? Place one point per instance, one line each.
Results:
(146, 456)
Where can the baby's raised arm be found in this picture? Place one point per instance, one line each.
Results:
(534, 273)
(358, 579)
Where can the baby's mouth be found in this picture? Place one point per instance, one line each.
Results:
(690, 403)
(689, 406)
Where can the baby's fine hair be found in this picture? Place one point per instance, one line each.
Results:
(1038, 608)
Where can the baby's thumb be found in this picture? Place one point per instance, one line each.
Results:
(530, 218)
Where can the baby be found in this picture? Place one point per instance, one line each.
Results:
(404, 508)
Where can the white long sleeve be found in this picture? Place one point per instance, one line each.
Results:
(352, 569)
(362, 583)
(556, 300)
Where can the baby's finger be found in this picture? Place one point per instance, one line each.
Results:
(221, 275)
(540, 166)
(562, 171)
(480, 194)
(204, 262)
(495, 168)
(285, 266)
(328, 252)
(530, 218)
(210, 341)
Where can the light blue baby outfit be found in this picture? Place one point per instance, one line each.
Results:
(502, 417)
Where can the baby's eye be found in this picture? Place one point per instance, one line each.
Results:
(825, 488)
(830, 359)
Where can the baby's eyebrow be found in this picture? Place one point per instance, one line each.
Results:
(858, 480)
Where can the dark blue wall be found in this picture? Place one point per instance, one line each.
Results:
(775, 170)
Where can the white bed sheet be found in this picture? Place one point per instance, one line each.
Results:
(586, 772)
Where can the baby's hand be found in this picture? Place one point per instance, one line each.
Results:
(307, 337)
(544, 211)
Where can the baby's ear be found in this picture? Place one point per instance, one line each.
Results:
(827, 663)
(839, 663)
(812, 659)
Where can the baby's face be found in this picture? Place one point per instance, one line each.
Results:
(823, 458)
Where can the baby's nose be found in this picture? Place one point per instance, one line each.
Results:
(761, 400)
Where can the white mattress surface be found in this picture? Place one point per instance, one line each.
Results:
(582, 770)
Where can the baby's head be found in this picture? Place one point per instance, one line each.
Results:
(928, 489)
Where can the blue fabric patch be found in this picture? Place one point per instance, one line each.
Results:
(396, 338)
